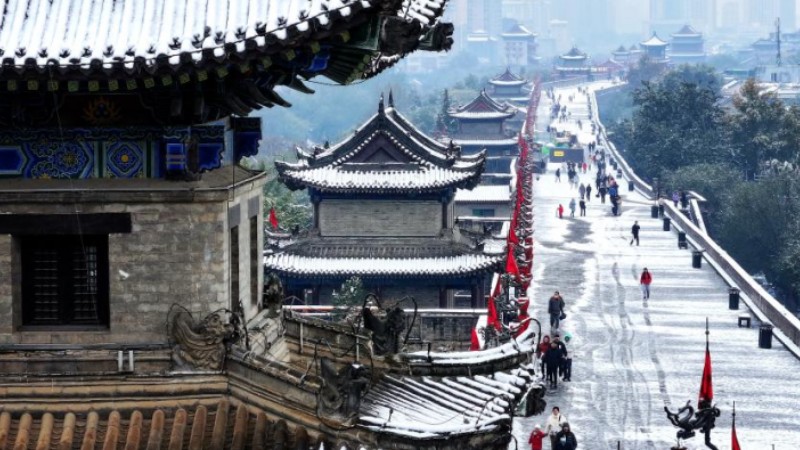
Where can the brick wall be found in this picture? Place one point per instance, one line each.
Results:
(177, 252)
(376, 218)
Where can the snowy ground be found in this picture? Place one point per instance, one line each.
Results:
(632, 357)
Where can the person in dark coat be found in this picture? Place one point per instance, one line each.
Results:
(635, 232)
(684, 200)
(565, 439)
(552, 361)
(542, 350)
(562, 365)
(588, 192)
(555, 307)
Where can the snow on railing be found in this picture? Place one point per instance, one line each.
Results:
(755, 296)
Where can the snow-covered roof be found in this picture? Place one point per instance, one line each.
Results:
(386, 154)
(574, 54)
(507, 78)
(484, 194)
(349, 177)
(485, 142)
(518, 30)
(621, 50)
(687, 31)
(83, 33)
(483, 107)
(654, 41)
(295, 265)
(429, 407)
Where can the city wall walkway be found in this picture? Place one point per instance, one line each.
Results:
(631, 357)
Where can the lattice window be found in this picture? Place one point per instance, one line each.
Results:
(64, 280)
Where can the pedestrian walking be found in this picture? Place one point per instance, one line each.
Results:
(542, 350)
(635, 233)
(536, 438)
(675, 198)
(645, 281)
(588, 192)
(563, 354)
(603, 194)
(558, 175)
(684, 200)
(582, 190)
(555, 307)
(552, 361)
(565, 439)
(553, 425)
(560, 211)
(572, 206)
(585, 166)
(582, 205)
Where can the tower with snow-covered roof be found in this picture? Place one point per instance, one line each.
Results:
(687, 47)
(131, 238)
(573, 63)
(509, 87)
(383, 211)
(655, 49)
(481, 126)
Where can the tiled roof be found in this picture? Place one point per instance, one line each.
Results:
(482, 107)
(484, 194)
(413, 267)
(574, 53)
(384, 247)
(81, 33)
(687, 30)
(217, 427)
(428, 407)
(654, 41)
(419, 163)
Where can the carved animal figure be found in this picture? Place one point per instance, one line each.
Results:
(385, 332)
(690, 421)
(273, 295)
(200, 345)
(342, 390)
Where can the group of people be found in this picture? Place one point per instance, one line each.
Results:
(558, 430)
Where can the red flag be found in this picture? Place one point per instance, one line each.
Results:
(273, 219)
(511, 263)
(512, 234)
(706, 388)
(493, 320)
(474, 344)
(734, 439)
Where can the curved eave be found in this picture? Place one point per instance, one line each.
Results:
(465, 180)
(417, 268)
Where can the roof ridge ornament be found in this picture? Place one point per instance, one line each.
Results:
(391, 99)
(381, 107)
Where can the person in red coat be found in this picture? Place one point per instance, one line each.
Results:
(536, 438)
(560, 211)
(645, 281)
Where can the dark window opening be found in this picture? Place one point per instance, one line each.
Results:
(64, 280)
(254, 260)
(235, 301)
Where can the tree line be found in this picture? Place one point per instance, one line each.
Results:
(741, 153)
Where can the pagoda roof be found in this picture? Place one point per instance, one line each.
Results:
(484, 194)
(518, 30)
(621, 49)
(483, 107)
(136, 35)
(654, 41)
(574, 53)
(387, 154)
(424, 267)
(687, 31)
(507, 78)
(190, 47)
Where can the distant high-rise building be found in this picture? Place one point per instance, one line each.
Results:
(761, 14)
(485, 15)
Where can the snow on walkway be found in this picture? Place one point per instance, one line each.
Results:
(633, 356)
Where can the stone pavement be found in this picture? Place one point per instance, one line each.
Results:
(633, 356)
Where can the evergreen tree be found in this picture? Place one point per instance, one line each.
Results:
(348, 299)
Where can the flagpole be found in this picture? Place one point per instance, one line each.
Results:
(707, 332)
